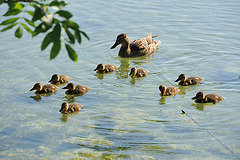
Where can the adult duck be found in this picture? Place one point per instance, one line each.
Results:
(137, 73)
(47, 88)
(70, 108)
(59, 79)
(136, 48)
(76, 89)
(208, 98)
(101, 68)
(168, 91)
(184, 81)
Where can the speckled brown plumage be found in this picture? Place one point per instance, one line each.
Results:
(184, 81)
(168, 91)
(76, 89)
(59, 79)
(101, 68)
(136, 48)
(208, 98)
(70, 108)
(47, 88)
(137, 73)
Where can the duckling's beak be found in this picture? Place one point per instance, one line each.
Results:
(194, 98)
(115, 45)
(64, 87)
(95, 69)
(177, 80)
(32, 89)
(130, 73)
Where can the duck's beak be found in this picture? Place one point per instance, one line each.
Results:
(115, 45)
(64, 87)
(194, 98)
(130, 73)
(32, 89)
(95, 69)
(177, 80)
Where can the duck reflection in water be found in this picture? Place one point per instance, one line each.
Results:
(199, 106)
(38, 97)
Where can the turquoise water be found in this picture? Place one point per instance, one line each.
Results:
(122, 117)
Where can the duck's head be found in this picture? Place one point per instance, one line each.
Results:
(37, 87)
(121, 39)
(64, 107)
(100, 67)
(133, 72)
(70, 86)
(162, 88)
(55, 77)
(182, 77)
(199, 96)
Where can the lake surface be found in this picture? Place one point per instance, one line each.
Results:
(125, 118)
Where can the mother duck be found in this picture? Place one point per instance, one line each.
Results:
(136, 48)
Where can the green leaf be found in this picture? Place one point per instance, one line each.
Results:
(71, 24)
(70, 35)
(43, 27)
(56, 32)
(8, 21)
(19, 32)
(78, 36)
(39, 13)
(18, 6)
(57, 4)
(9, 27)
(64, 14)
(55, 49)
(31, 13)
(12, 12)
(27, 28)
(71, 53)
(85, 35)
(47, 40)
(1, 1)
(30, 22)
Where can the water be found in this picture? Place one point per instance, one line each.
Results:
(124, 118)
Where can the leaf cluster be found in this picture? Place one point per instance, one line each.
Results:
(38, 18)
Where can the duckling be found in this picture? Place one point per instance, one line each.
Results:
(70, 108)
(59, 79)
(184, 81)
(208, 98)
(78, 89)
(136, 73)
(101, 68)
(136, 48)
(47, 88)
(168, 91)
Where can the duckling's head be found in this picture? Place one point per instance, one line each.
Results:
(199, 96)
(64, 107)
(182, 77)
(55, 77)
(70, 86)
(37, 87)
(100, 67)
(121, 39)
(162, 88)
(133, 72)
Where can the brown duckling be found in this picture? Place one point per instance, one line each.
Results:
(168, 91)
(47, 88)
(184, 81)
(136, 48)
(59, 79)
(101, 68)
(208, 98)
(78, 89)
(136, 73)
(70, 108)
